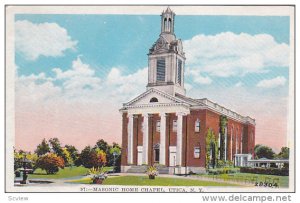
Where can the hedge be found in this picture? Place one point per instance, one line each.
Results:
(266, 171)
(218, 171)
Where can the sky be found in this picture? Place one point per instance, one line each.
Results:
(73, 72)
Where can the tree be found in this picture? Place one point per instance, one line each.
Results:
(42, 148)
(101, 144)
(211, 149)
(223, 125)
(56, 147)
(67, 157)
(73, 152)
(50, 163)
(18, 156)
(262, 151)
(110, 156)
(92, 157)
(284, 153)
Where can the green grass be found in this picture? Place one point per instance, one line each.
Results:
(242, 177)
(67, 172)
(159, 181)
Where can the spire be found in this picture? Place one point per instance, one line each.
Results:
(168, 10)
(167, 21)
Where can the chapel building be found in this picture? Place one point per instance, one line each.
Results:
(180, 134)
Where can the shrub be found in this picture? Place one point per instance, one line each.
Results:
(219, 171)
(221, 163)
(50, 163)
(267, 171)
(152, 171)
(91, 157)
(97, 175)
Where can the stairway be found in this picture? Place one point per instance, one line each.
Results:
(137, 169)
(162, 169)
(143, 169)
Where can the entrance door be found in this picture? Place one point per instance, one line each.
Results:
(172, 159)
(156, 155)
(140, 155)
(172, 156)
(140, 158)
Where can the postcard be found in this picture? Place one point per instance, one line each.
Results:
(150, 98)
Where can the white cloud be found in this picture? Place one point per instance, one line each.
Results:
(35, 88)
(272, 83)
(127, 86)
(239, 84)
(80, 83)
(228, 54)
(44, 39)
(198, 77)
(78, 78)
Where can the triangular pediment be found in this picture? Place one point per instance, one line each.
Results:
(154, 96)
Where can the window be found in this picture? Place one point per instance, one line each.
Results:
(196, 152)
(158, 126)
(179, 70)
(153, 99)
(156, 155)
(161, 70)
(174, 125)
(197, 125)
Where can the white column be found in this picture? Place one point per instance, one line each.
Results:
(225, 143)
(145, 138)
(219, 144)
(162, 148)
(179, 138)
(231, 144)
(236, 143)
(242, 143)
(130, 139)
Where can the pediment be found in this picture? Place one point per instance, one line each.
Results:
(150, 97)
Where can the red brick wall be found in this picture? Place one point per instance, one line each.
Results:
(237, 128)
(251, 144)
(196, 139)
(124, 139)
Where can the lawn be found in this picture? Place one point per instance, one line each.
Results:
(159, 181)
(250, 177)
(67, 172)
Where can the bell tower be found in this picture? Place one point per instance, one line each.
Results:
(166, 59)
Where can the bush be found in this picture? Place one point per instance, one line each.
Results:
(219, 171)
(267, 171)
(50, 163)
(221, 163)
(91, 157)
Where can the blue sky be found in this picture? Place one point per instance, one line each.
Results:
(241, 62)
(106, 41)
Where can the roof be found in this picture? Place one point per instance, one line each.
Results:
(198, 103)
(192, 104)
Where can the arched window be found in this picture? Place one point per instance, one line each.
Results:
(165, 24)
(197, 125)
(153, 99)
(169, 26)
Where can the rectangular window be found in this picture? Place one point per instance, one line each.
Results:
(197, 126)
(161, 70)
(158, 126)
(196, 152)
(174, 125)
(156, 155)
(179, 69)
